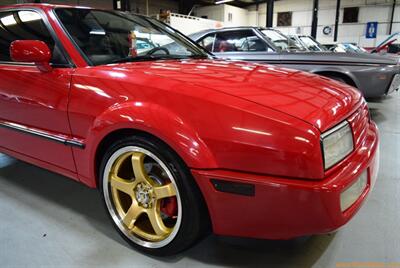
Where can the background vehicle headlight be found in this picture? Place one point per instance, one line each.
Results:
(337, 143)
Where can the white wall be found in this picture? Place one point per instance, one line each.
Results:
(211, 12)
(370, 10)
(240, 16)
(188, 24)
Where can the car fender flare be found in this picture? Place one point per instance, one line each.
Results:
(155, 120)
(340, 73)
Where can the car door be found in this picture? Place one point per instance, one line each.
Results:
(33, 104)
(239, 44)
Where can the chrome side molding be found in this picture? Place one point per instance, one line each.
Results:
(43, 134)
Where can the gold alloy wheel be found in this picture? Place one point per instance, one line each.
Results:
(142, 197)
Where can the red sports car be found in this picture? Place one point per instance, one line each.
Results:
(177, 141)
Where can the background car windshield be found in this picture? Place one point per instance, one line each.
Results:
(296, 44)
(234, 41)
(340, 48)
(354, 48)
(281, 41)
(104, 36)
(311, 44)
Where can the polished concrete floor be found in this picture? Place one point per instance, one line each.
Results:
(48, 220)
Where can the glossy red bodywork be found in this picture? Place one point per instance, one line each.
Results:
(231, 120)
(30, 51)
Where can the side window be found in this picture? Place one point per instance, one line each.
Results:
(25, 25)
(245, 41)
(208, 42)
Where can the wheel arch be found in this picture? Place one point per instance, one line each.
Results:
(122, 133)
(152, 121)
(172, 161)
(348, 78)
(112, 137)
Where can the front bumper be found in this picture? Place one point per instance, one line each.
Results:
(283, 208)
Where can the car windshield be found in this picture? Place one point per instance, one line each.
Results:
(281, 41)
(353, 48)
(297, 44)
(312, 44)
(106, 37)
(339, 48)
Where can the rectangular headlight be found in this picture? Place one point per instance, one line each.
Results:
(337, 143)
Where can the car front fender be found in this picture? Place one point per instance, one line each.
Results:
(142, 117)
(372, 81)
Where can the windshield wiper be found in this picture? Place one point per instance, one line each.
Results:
(197, 57)
(155, 57)
(134, 59)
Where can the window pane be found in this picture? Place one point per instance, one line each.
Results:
(25, 25)
(245, 41)
(208, 42)
(281, 41)
(284, 18)
(350, 14)
(106, 37)
(311, 44)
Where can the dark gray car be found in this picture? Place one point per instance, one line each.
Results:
(373, 75)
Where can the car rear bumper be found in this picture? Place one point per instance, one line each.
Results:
(281, 208)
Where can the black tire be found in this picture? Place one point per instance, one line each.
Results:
(194, 220)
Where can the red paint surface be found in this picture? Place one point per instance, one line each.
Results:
(30, 51)
(236, 121)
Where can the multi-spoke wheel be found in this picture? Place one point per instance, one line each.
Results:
(148, 194)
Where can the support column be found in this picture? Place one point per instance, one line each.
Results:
(314, 24)
(337, 21)
(391, 17)
(270, 13)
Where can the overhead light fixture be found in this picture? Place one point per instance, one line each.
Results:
(223, 1)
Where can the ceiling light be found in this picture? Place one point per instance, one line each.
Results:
(223, 1)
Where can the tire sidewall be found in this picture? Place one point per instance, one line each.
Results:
(189, 229)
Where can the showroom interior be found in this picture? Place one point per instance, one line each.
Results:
(341, 50)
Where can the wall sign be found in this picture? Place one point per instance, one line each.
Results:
(372, 29)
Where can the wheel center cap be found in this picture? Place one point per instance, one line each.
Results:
(144, 195)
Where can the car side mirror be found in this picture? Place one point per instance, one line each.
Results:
(34, 51)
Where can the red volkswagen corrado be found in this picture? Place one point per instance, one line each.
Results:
(175, 140)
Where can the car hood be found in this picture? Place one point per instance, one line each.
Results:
(356, 58)
(394, 57)
(317, 100)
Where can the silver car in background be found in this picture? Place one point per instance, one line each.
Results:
(373, 75)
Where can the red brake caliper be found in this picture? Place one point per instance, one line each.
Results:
(169, 207)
